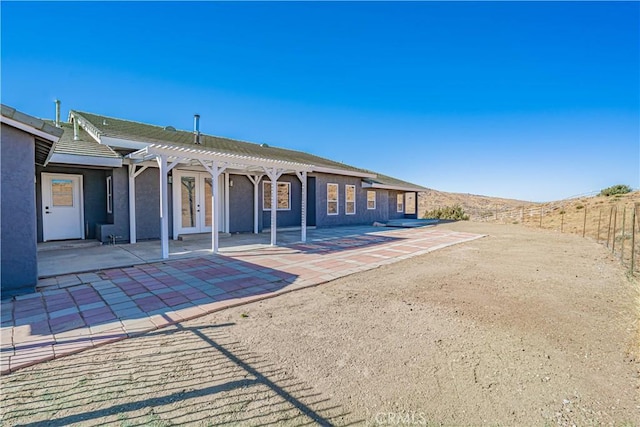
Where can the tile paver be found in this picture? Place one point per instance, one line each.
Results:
(90, 309)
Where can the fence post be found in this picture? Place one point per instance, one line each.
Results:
(584, 223)
(615, 220)
(624, 215)
(633, 240)
(609, 227)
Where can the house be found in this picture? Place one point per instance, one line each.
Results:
(114, 179)
(25, 143)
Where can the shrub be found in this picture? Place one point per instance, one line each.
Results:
(615, 190)
(578, 207)
(448, 212)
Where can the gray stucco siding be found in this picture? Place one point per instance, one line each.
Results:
(285, 218)
(118, 221)
(241, 204)
(148, 205)
(362, 215)
(19, 261)
(94, 194)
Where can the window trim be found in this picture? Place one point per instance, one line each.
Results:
(346, 199)
(264, 192)
(109, 182)
(374, 200)
(400, 203)
(336, 201)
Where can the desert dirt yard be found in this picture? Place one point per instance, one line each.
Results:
(522, 327)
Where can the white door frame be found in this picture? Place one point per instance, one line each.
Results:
(200, 227)
(46, 179)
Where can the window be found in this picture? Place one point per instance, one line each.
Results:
(400, 202)
(284, 196)
(332, 199)
(410, 199)
(371, 200)
(62, 192)
(350, 199)
(109, 195)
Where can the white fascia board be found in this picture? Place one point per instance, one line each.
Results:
(85, 160)
(123, 143)
(333, 171)
(29, 129)
(232, 160)
(390, 187)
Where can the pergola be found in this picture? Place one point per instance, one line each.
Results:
(215, 163)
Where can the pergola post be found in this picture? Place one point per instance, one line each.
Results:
(226, 202)
(133, 174)
(164, 206)
(273, 175)
(302, 176)
(255, 180)
(214, 170)
(132, 204)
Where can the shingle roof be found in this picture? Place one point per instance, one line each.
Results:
(125, 129)
(31, 121)
(394, 182)
(85, 146)
(43, 147)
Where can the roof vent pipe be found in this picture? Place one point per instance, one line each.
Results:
(76, 130)
(196, 128)
(57, 101)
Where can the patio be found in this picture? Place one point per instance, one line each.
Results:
(86, 258)
(74, 312)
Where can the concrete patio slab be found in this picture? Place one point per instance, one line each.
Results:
(110, 304)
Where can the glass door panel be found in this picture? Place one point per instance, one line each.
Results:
(208, 192)
(188, 196)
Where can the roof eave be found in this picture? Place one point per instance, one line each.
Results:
(391, 187)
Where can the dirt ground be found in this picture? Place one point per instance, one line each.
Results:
(522, 327)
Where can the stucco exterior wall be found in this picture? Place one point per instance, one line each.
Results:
(117, 223)
(289, 218)
(148, 205)
(18, 250)
(241, 205)
(362, 215)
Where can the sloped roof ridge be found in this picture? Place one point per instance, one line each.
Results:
(224, 138)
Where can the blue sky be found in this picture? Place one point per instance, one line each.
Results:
(528, 100)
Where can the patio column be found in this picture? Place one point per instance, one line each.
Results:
(215, 170)
(226, 202)
(132, 204)
(133, 173)
(273, 175)
(302, 176)
(164, 206)
(255, 180)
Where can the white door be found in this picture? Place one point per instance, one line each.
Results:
(192, 192)
(62, 207)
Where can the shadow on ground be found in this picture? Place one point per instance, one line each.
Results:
(182, 375)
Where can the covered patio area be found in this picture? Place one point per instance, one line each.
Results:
(84, 258)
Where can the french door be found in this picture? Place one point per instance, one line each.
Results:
(192, 210)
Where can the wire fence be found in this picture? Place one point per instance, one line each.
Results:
(615, 225)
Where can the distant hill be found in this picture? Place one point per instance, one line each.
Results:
(475, 206)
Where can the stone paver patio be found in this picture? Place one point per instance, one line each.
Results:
(79, 311)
